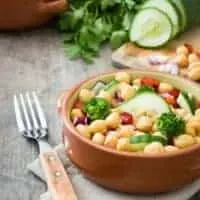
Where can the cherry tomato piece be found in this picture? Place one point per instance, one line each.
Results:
(79, 104)
(147, 81)
(126, 118)
(170, 100)
(174, 93)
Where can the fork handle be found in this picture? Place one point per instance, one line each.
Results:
(57, 179)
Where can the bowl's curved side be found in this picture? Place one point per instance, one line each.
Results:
(128, 172)
(131, 174)
(21, 14)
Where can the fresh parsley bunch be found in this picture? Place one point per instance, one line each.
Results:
(87, 24)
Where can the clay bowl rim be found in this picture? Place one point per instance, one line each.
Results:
(69, 125)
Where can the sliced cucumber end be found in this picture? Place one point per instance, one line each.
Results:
(151, 28)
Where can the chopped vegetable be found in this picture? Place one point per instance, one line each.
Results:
(186, 102)
(87, 24)
(174, 93)
(126, 118)
(111, 87)
(146, 101)
(170, 125)
(97, 108)
(144, 89)
(157, 119)
(147, 138)
(151, 82)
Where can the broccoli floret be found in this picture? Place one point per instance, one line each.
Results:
(170, 125)
(97, 108)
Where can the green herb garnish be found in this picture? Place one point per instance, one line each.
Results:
(87, 24)
(145, 89)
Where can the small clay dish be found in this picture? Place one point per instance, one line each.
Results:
(130, 172)
(21, 14)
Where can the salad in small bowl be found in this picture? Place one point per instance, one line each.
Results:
(122, 126)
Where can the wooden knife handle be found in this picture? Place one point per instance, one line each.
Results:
(56, 177)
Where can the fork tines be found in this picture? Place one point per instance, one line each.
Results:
(29, 115)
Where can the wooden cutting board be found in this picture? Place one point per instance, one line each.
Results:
(127, 55)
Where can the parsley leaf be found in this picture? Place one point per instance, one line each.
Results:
(87, 24)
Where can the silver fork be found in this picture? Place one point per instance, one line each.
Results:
(32, 124)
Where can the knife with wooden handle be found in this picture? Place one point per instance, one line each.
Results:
(56, 177)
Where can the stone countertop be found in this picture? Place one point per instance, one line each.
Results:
(31, 61)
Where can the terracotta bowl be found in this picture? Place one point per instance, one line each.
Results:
(129, 172)
(20, 14)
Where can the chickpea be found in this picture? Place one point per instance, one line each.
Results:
(197, 139)
(190, 130)
(183, 113)
(106, 95)
(159, 134)
(183, 141)
(182, 60)
(145, 112)
(123, 77)
(137, 82)
(98, 126)
(85, 95)
(165, 87)
(154, 147)
(197, 112)
(98, 138)
(113, 120)
(126, 130)
(182, 50)
(137, 133)
(76, 112)
(170, 148)
(195, 65)
(126, 91)
(154, 127)
(193, 58)
(195, 122)
(84, 130)
(111, 141)
(116, 133)
(144, 123)
(122, 144)
(194, 74)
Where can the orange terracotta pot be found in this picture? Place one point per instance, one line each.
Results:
(20, 14)
(130, 172)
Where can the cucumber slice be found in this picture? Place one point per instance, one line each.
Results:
(168, 9)
(112, 86)
(181, 11)
(192, 8)
(145, 101)
(137, 147)
(156, 138)
(185, 102)
(151, 28)
(135, 139)
(148, 138)
(100, 85)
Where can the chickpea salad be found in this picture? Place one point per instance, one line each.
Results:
(137, 115)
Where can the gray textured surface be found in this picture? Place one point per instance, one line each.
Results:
(33, 61)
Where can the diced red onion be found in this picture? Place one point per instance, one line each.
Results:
(81, 120)
(157, 59)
